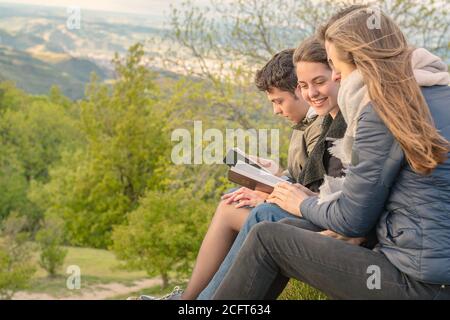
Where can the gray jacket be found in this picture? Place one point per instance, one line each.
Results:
(411, 212)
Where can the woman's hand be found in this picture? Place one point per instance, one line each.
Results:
(332, 234)
(289, 197)
(246, 197)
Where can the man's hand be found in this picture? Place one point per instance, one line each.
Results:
(289, 197)
(245, 197)
(332, 234)
(268, 164)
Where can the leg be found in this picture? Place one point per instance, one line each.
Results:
(274, 252)
(301, 223)
(222, 231)
(263, 212)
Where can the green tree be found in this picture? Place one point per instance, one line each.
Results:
(164, 234)
(33, 133)
(249, 32)
(50, 238)
(13, 184)
(16, 269)
(94, 187)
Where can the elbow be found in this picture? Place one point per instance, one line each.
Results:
(355, 230)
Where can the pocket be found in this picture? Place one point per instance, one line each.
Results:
(406, 238)
(403, 231)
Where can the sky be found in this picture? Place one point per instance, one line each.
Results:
(152, 7)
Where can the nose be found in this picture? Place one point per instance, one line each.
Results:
(336, 76)
(312, 92)
(276, 109)
(298, 92)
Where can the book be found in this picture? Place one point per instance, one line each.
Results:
(253, 178)
(235, 154)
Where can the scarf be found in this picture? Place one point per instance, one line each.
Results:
(353, 97)
(315, 170)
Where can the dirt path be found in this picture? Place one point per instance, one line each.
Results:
(98, 292)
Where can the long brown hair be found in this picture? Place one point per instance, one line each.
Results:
(382, 55)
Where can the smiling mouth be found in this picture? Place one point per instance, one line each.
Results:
(318, 102)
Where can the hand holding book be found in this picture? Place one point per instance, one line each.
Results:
(268, 164)
(289, 197)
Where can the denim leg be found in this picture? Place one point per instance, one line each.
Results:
(263, 212)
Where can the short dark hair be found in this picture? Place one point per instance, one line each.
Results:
(279, 72)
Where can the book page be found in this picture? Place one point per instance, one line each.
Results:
(235, 155)
(256, 174)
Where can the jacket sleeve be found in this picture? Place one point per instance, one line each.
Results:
(312, 135)
(377, 159)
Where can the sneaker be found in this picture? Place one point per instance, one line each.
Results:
(174, 295)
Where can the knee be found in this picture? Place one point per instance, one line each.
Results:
(229, 217)
(263, 212)
(289, 221)
(222, 210)
(260, 231)
(268, 235)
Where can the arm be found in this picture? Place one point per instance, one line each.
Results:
(376, 161)
(312, 134)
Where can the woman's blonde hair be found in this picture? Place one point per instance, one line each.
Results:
(373, 42)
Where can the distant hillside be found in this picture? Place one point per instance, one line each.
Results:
(37, 50)
(37, 76)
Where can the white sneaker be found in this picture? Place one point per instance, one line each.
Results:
(174, 295)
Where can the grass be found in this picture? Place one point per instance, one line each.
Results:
(296, 290)
(97, 267)
(101, 266)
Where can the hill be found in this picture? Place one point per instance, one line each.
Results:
(37, 76)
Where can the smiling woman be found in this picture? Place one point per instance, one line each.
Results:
(315, 79)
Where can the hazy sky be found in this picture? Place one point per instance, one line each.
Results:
(131, 6)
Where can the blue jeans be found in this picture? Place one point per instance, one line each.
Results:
(263, 212)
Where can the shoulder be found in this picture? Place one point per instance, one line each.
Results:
(314, 128)
(437, 99)
(372, 133)
(370, 123)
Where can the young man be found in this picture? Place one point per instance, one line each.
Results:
(279, 81)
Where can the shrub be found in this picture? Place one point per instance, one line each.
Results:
(16, 269)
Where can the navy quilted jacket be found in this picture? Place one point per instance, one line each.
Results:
(411, 212)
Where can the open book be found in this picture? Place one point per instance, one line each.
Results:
(235, 154)
(253, 178)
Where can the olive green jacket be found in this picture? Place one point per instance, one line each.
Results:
(303, 139)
